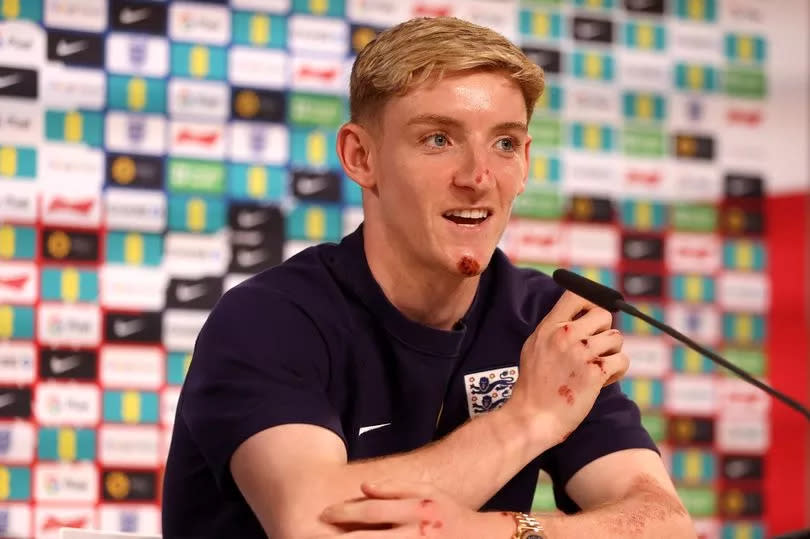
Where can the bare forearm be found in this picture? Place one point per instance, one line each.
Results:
(473, 462)
(643, 515)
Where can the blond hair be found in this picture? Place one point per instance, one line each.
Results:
(409, 53)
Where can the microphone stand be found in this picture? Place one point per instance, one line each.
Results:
(629, 309)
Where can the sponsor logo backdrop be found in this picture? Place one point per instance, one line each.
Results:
(155, 154)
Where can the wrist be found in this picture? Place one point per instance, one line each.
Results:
(494, 525)
(536, 430)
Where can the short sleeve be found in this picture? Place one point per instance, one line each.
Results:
(259, 361)
(613, 424)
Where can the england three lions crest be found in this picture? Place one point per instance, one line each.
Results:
(489, 390)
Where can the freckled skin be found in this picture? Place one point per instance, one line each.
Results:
(565, 391)
(469, 266)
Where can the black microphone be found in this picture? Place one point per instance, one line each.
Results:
(613, 301)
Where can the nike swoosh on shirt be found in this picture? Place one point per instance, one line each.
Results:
(364, 430)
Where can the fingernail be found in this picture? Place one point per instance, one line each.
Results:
(327, 514)
(373, 485)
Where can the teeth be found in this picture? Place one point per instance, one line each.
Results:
(468, 214)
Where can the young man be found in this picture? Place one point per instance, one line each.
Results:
(332, 396)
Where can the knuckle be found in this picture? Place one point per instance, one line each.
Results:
(559, 339)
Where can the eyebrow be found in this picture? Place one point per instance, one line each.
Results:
(438, 119)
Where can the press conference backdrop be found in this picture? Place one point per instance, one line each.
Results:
(153, 155)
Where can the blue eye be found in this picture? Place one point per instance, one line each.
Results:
(510, 146)
(438, 139)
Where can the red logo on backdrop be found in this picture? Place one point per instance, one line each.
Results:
(421, 10)
(14, 282)
(53, 523)
(538, 240)
(693, 252)
(204, 139)
(749, 118)
(325, 75)
(82, 207)
(648, 178)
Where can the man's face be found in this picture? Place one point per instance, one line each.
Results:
(451, 160)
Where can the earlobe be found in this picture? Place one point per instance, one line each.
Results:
(354, 149)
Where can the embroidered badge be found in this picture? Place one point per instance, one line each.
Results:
(489, 390)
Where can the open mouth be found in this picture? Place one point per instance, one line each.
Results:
(467, 217)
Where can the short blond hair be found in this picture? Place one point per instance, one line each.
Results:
(409, 53)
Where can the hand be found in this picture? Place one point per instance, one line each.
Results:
(395, 509)
(569, 358)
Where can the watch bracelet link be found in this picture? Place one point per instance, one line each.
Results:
(528, 527)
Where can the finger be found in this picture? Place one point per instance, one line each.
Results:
(397, 489)
(596, 320)
(605, 343)
(567, 307)
(613, 367)
(369, 512)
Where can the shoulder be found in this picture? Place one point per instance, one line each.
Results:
(527, 293)
(300, 291)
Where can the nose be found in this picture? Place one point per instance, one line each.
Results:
(474, 173)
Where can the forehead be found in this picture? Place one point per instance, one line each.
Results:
(480, 96)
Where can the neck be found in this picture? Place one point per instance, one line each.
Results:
(435, 298)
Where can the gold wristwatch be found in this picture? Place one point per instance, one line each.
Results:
(527, 527)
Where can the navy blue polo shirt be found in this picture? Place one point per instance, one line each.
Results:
(314, 340)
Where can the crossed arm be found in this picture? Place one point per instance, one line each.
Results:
(289, 474)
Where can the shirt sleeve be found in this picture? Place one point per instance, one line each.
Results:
(259, 361)
(613, 424)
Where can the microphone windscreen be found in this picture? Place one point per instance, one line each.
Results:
(594, 292)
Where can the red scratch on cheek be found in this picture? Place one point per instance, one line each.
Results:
(565, 391)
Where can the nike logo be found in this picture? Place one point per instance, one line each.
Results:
(10, 80)
(63, 48)
(189, 292)
(123, 328)
(60, 365)
(6, 399)
(639, 4)
(369, 428)
(310, 186)
(131, 16)
(250, 258)
(250, 219)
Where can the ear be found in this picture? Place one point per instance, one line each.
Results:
(526, 160)
(356, 153)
